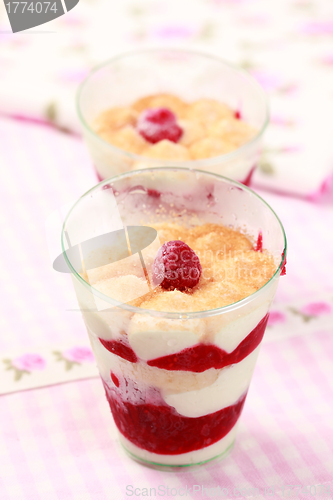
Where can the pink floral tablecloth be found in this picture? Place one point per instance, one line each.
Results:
(58, 440)
(286, 45)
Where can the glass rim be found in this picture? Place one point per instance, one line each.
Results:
(205, 162)
(166, 314)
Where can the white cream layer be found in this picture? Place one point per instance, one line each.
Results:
(232, 334)
(230, 385)
(152, 337)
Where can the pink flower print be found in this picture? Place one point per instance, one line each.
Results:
(312, 310)
(25, 365)
(269, 81)
(316, 309)
(29, 363)
(171, 32)
(73, 75)
(272, 82)
(75, 356)
(316, 28)
(79, 355)
(276, 317)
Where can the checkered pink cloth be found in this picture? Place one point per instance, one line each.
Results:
(60, 443)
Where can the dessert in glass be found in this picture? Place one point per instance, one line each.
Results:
(175, 271)
(155, 107)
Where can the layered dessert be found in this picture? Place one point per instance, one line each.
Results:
(170, 107)
(164, 128)
(176, 385)
(175, 271)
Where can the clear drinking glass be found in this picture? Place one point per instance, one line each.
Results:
(168, 417)
(188, 75)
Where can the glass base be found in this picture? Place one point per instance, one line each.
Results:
(175, 468)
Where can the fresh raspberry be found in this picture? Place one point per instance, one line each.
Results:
(176, 266)
(157, 124)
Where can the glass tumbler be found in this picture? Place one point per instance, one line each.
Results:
(188, 75)
(168, 414)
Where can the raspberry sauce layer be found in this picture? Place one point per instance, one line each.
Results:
(120, 349)
(205, 356)
(160, 429)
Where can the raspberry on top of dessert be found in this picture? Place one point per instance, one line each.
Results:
(158, 124)
(176, 266)
(165, 127)
(218, 266)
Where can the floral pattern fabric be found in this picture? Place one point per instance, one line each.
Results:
(60, 442)
(52, 367)
(286, 45)
(49, 367)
